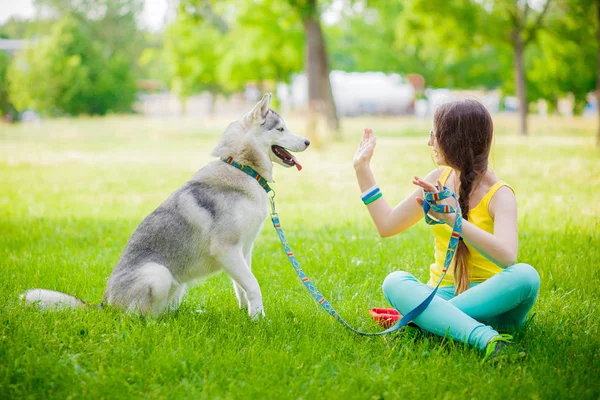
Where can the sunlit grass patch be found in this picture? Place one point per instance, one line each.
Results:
(74, 190)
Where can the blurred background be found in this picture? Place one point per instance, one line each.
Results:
(324, 60)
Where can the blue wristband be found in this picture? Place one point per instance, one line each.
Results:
(370, 193)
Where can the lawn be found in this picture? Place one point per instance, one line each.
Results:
(74, 190)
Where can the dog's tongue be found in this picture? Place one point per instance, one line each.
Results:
(296, 163)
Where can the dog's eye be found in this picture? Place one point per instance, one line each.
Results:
(280, 129)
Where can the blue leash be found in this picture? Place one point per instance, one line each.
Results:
(428, 204)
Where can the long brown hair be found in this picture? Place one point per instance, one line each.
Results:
(464, 132)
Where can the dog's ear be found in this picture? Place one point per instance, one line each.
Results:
(260, 110)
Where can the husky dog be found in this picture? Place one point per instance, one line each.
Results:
(209, 224)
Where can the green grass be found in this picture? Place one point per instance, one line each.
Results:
(73, 192)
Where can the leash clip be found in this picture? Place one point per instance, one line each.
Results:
(272, 202)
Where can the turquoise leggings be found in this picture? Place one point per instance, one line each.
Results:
(502, 301)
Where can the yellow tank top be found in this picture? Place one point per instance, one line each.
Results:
(480, 268)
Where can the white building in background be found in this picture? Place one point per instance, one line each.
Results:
(11, 46)
(355, 93)
(490, 99)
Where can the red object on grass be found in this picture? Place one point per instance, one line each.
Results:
(385, 317)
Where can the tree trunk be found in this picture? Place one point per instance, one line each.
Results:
(316, 65)
(211, 108)
(328, 101)
(520, 79)
(311, 68)
(183, 101)
(598, 83)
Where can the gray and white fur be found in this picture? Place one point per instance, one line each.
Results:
(207, 225)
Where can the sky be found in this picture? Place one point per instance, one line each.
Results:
(152, 16)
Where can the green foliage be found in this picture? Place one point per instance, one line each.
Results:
(193, 49)
(450, 44)
(221, 47)
(265, 43)
(153, 60)
(466, 44)
(5, 105)
(565, 57)
(17, 28)
(113, 23)
(82, 58)
(68, 73)
(110, 22)
(406, 38)
(365, 40)
(116, 88)
(460, 44)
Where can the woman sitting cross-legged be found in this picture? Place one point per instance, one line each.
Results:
(484, 289)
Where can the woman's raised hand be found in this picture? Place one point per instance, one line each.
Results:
(363, 154)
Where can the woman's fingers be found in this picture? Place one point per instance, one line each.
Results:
(366, 143)
(364, 140)
(416, 182)
(368, 139)
(425, 185)
(364, 152)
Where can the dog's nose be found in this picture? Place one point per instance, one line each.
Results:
(306, 142)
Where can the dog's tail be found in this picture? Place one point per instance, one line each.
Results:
(50, 299)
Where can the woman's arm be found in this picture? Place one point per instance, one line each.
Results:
(388, 221)
(500, 247)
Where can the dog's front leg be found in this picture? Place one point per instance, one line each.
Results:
(240, 295)
(239, 292)
(235, 264)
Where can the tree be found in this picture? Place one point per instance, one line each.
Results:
(522, 34)
(365, 39)
(18, 28)
(223, 45)
(316, 66)
(598, 68)
(113, 23)
(564, 59)
(153, 60)
(6, 107)
(192, 48)
(497, 23)
(68, 73)
(264, 53)
(386, 37)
